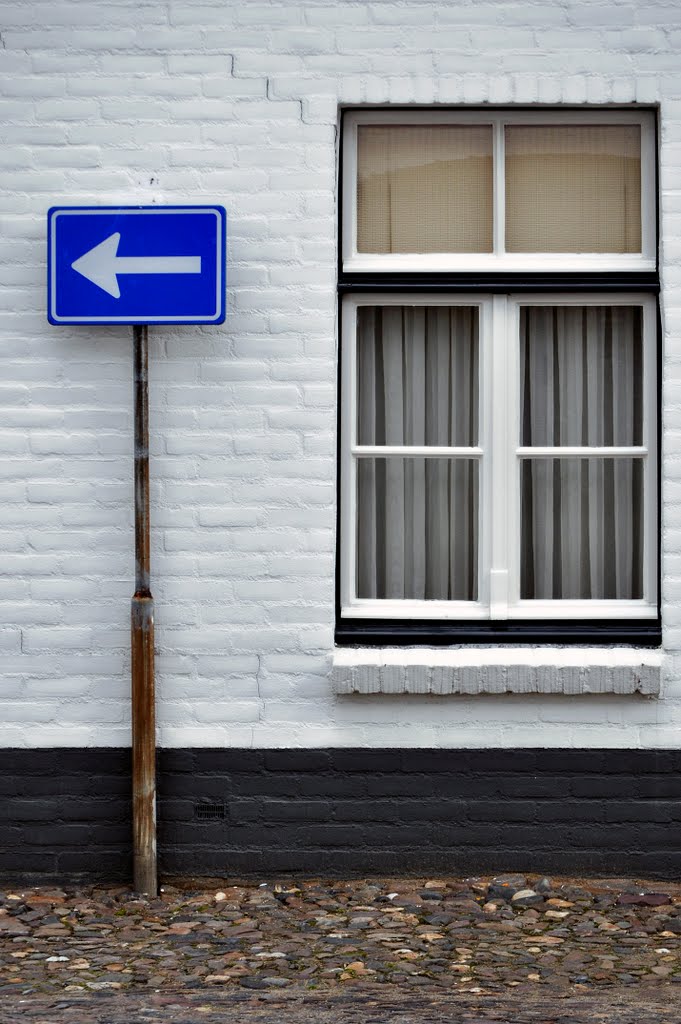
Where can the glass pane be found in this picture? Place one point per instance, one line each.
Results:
(417, 375)
(581, 375)
(424, 188)
(582, 529)
(573, 188)
(417, 529)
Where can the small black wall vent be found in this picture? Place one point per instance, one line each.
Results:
(209, 812)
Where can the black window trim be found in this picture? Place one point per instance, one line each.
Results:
(379, 632)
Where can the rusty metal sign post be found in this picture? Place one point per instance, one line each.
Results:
(170, 270)
(142, 643)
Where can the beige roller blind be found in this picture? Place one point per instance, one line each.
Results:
(424, 189)
(573, 188)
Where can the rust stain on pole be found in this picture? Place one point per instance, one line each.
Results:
(142, 644)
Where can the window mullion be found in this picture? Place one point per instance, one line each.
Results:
(570, 452)
(416, 451)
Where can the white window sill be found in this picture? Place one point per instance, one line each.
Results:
(473, 670)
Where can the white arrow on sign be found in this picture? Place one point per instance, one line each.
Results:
(101, 265)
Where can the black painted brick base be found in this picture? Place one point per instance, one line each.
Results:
(65, 813)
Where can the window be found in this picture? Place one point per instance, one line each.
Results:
(498, 452)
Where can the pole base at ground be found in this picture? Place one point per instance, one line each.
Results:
(143, 746)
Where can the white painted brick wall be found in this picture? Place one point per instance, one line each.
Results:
(117, 102)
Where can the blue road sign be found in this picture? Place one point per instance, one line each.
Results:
(136, 265)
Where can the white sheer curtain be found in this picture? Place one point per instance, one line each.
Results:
(424, 188)
(581, 376)
(417, 523)
(582, 518)
(573, 188)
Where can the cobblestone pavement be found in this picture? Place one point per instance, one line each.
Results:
(478, 950)
(380, 1008)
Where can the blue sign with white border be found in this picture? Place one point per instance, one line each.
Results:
(136, 264)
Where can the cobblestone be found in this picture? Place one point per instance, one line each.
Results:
(318, 941)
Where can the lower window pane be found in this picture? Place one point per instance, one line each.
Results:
(582, 529)
(417, 529)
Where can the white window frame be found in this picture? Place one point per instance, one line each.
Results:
(499, 260)
(351, 451)
(498, 453)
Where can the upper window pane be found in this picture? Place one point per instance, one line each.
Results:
(581, 375)
(417, 375)
(573, 188)
(424, 189)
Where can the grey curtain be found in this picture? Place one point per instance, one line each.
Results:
(581, 379)
(581, 374)
(417, 524)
